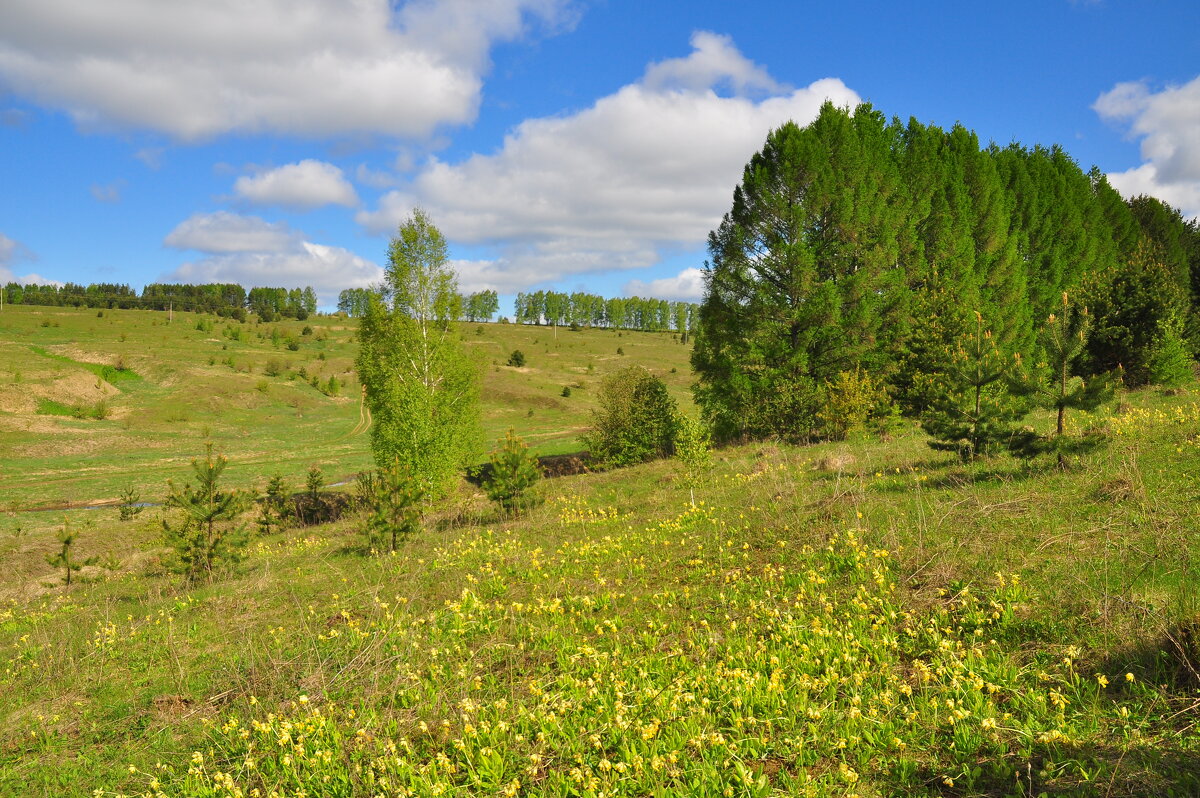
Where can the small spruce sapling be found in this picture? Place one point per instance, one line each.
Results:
(395, 494)
(65, 557)
(1170, 363)
(315, 481)
(516, 359)
(1052, 385)
(973, 414)
(131, 504)
(514, 472)
(274, 510)
(207, 537)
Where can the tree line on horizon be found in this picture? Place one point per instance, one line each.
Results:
(555, 308)
(860, 249)
(222, 299)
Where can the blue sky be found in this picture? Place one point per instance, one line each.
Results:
(558, 144)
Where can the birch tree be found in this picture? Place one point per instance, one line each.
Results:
(421, 386)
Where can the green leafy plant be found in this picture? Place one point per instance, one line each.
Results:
(635, 420)
(421, 386)
(517, 358)
(514, 471)
(852, 398)
(693, 449)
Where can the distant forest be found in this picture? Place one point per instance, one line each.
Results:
(223, 299)
(233, 301)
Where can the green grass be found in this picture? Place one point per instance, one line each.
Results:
(867, 617)
(183, 386)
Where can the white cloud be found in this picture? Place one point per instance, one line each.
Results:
(327, 269)
(687, 286)
(251, 251)
(649, 168)
(714, 62)
(224, 232)
(302, 67)
(13, 252)
(1167, 122)
(302, 186)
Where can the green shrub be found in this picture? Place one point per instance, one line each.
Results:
(514, 471)
(517, 358)
(566, 391)
(851, 400)
(636, 419)
(693, 448)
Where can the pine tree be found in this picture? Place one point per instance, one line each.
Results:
(1054, 386)
(207, 537)
(801, 274)
(274, 510)
(513, 473)
(65, 557)
(973, 414)
(395, 498)
(1171, 363)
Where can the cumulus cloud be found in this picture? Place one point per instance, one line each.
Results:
(303, 67)
(224, 232)
(686, 286)
(327, 269)
(647, 169)
(251, 251)
(301, 186)
(1167, 122)
(13, 252)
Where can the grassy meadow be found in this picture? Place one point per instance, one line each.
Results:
(865, 618)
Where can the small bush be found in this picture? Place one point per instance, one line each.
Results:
(517, 358)
(273, 368)
(851, 399)
(636, 420)
(620, 350)
(307, 330)
(293, 345)
(566, 391)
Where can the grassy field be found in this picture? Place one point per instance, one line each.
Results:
(866, 618)
(76, 430)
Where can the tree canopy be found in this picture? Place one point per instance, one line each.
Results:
(861, 243)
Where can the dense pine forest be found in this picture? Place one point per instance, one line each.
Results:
(862, 245)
